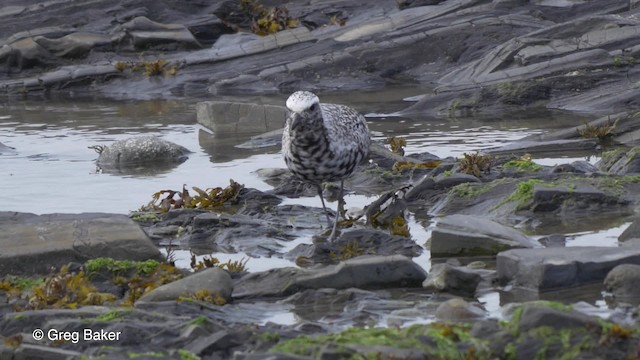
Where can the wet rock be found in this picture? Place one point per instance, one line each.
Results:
(34, 243)
(406, 4)
(632, 232)
(361, 241)
(540, 147)
(572, 199)
(455, 280)
(363, 272)
(366, 272)
(554, 268)
(142, 33)
(537, 316)
(463, 235)
(624, 282)
(74, 45)
(553, 240)
(147, 152)
(215, 280)
(621, 162)
(32, 351)
(240, 118)
(220, 340)
(252, 230)
(458, 309)
(446, 182)
(578, 167)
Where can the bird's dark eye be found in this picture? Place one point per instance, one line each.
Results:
(312, 107)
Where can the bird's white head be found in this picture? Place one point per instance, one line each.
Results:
(300, 101)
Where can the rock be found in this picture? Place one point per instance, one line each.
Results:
(620, 162)
(143, 34)
(554, 268)
(446, 182)
(74, 45)
(32, 244)
(624, 282)
(273, 282)
(553, 240)
(240, 118)
(464, 235)
(220, 340)
(457, 309)
(365, 272)
(146, 152)
(631, 232)
(534, 317)
(406, 4)
(572, 199)
(577, 167)
(453, 279)
(538, 147)
(215, 280)
(366, 241)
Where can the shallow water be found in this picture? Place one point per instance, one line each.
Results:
(53, 170)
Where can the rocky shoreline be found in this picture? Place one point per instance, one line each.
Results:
(97, 285)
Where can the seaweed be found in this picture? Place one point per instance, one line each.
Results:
(208, 199)
(475, 164)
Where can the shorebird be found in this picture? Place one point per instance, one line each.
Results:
(323, 142)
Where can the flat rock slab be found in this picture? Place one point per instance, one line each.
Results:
(553, 268)
(365, 272)
(465, 235)
(33, 243)
(238, 118)
(215, 280)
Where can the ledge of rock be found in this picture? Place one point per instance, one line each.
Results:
(554, 268)
(34, 243)
(464, 235)
(365, 272)
(215, 280)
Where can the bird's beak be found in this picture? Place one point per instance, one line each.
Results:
(295, 121)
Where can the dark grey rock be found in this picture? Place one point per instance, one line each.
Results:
(33, 244)
(445, 182)
(453, 279)
(406, 4)
(147, 152)
(621, 162)
(215, 280)
(142, 33)
(553, 240)
(221, 340)
(368, 241)
(464, 235)
(365, 272)
(566, 199)
(240, 118)
(624, 282)
(632, 232)
(536, 316)
(74, 45)
(554, 268)
(578, 167)
(458, 309)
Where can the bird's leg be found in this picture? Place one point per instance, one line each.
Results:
(340, 208)
(323, 206)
